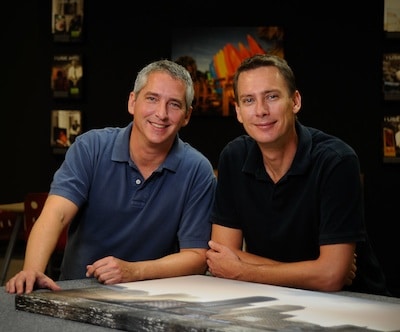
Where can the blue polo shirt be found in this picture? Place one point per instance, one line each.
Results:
(123, 215)
(317, 202)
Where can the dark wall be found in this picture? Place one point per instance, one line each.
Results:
(335, 52)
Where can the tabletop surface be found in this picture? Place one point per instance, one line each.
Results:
(295, 305)
(13, 207)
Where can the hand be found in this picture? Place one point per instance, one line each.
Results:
(223, 262)
(26, 280)
(109, 270)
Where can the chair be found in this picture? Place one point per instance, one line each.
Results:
(7, 222)
(10, 232)
(34, 202)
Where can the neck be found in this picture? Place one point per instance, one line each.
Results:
(147, 156)
(277, 160)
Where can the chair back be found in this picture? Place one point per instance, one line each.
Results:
(7, 222)
(34, 202)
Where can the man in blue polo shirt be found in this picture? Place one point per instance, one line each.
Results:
(137, 200)
(290, 194)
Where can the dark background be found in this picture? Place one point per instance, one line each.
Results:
(335, 49)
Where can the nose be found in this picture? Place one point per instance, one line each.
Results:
(162, 111)
(261, 108)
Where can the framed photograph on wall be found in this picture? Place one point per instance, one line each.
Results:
(391, 138)
(67, 20)
(67, 76)
(391, 75)
(66, 125)
(391, 18)
(212, 54)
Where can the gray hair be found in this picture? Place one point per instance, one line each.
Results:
(175, 70)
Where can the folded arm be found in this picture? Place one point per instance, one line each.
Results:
(333, 269)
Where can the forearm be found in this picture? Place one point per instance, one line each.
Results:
(186, 262)
(253, 259)
(39, 248)
(329, 272)
(311, 275)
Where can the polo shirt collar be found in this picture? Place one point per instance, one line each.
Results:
(254, 163)
(121, 153)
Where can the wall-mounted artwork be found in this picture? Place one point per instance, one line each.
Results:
(67, 20)
(67, 76)
(391, 17)
(66, 125)
(391, 75)
(391, 139)
(212, 54)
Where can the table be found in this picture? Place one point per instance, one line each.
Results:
(196, 303)
(19, 209)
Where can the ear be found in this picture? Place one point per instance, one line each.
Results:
(131, 103)
(296, 102)
(238, 114)
(188, 114)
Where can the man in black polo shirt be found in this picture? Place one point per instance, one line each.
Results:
(288, 194)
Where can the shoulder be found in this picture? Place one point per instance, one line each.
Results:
(324, 143)
(100, 142)
(242, 142)
(190, 155)
(239, 147)
(102, 136)
(99, 134)
(190, 165)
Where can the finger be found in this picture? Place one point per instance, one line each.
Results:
(89, 270)
(10, 286)
(29, 285)
(49, 283)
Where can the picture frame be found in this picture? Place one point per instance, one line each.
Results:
(391, 75)
(391, 138)
(212, 54)
(66, 125)
(67, 75)
(67, 20)
(391, 18)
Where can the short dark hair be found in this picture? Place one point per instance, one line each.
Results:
(266, 60)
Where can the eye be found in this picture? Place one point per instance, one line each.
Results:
(247, 100)
(175, 105)
(272, 96)
(151, 98)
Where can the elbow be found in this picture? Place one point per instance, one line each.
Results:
(332, 282)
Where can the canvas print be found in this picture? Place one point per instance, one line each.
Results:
(391, 139)
(67, 20)
(66, 125)
(212, 54)
(203, 303)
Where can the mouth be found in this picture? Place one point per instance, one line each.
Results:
(158, 125)
(265, 124)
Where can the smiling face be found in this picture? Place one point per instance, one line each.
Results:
(159, 109)
(265, 108)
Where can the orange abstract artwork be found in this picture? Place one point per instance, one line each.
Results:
(212, 56)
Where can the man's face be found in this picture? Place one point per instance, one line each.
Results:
(265, 108)
(159, 109)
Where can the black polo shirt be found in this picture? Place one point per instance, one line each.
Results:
(317, 202)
